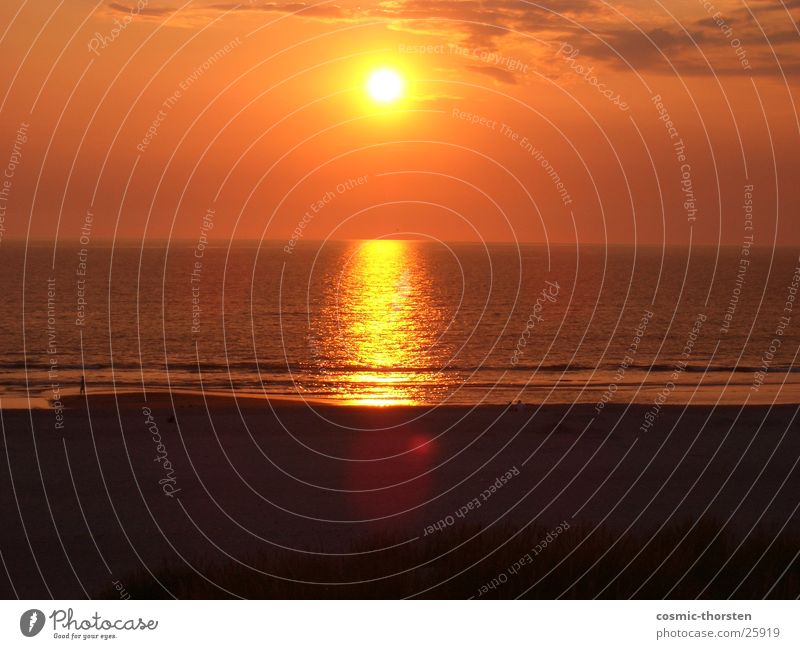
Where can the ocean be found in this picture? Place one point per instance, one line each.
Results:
(403, 322)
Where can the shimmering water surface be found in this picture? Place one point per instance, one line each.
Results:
(398, 322)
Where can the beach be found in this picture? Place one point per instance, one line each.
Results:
(134, 483)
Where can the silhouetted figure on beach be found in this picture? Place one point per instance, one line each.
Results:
(83, 384)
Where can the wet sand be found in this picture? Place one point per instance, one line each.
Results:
(130, 485)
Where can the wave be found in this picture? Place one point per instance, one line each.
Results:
(307, 367)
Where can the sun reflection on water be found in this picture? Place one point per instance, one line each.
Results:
(379, 327)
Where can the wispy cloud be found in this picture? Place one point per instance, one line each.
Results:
(618, 36)
(156, 12)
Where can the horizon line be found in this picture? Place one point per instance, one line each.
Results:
(219, 242)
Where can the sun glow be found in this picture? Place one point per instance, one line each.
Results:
(385, 86)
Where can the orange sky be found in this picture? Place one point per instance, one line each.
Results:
(258, 111)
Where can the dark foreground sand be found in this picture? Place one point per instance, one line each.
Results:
(95, 501)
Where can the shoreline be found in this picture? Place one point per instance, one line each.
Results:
(182, 398)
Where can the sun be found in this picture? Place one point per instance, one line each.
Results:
(385, 86)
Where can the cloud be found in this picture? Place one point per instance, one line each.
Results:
(640, 48)
(144, 11)
(714, 45)
(776, 5)
(498, 74)
(472, 21)
(630, 35)
(625, 35)
(318, 11)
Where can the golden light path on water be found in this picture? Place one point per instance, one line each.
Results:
(380, 327)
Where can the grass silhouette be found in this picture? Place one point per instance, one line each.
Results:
(679, 562)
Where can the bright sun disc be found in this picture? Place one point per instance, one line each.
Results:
(385, 86)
